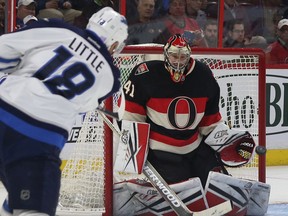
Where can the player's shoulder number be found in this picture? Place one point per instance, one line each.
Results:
(129, 88)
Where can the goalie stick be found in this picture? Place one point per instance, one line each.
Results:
(163, 188)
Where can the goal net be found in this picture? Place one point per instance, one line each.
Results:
(87, 177)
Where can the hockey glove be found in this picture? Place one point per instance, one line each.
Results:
(235, 147)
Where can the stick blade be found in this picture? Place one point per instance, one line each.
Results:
(218, 210)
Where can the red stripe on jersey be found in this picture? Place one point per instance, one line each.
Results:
(160, 104)
(134, 108)
(209, 120)
(171, 141)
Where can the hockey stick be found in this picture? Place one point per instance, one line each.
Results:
(163, 188)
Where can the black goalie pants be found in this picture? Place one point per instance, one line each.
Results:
(176, 168)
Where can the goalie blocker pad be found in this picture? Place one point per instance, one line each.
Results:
(236, 147)
(248, 197)
(138, 197)
(132, 149)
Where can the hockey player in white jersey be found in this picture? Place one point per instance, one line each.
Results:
(51, 71)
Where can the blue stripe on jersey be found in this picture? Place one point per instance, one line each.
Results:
(9, 60)
(6, 68)
(4, 61)
(34, 132)
(31, 127)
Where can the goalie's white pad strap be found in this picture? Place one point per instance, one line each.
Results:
(247, 196)
(139, 197)
(132, 150)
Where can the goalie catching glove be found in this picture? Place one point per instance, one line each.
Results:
(235, 147)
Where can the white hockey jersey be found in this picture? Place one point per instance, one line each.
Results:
(52, 71)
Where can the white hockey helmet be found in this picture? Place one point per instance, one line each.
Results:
(110, 26)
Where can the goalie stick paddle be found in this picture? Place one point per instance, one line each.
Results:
(163, 188)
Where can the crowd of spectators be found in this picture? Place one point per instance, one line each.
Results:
(61, 9)
(246, 23)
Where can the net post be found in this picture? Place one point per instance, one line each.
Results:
(108, 148)
(262, 113)
(10, 15)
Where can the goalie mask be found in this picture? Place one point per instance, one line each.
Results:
(176, 56)
(111, 27)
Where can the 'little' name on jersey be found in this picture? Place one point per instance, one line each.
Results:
(84, 50)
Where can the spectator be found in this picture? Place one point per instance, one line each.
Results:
(236, 33)
(194, 11)
(277, 52)
(160, 9)
(145, 29)
(26, 11)
(2, 17)
(90, 7)
(211, 33)
(233, 10)
(177, 22)
(281, 13)
(145, 9)
(60, 9)
(256, 42)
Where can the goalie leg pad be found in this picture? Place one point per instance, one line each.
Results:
(137, 197)
(220, 188)
(259, 199)
(247, 196)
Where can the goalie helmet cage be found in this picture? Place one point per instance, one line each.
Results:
(87, 178)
